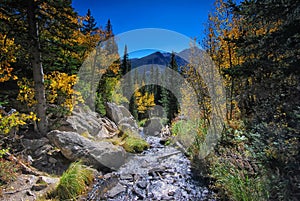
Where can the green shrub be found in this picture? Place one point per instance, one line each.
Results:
(74, 182)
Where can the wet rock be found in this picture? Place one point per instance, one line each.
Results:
(171, 193)
(100, 155)
(38, 187)
(29, 193)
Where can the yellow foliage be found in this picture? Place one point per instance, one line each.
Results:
(143, 102)
(14, 120)
(7, 52)
(59, 90)
(26, 92)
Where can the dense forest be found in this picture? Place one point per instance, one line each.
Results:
(254, 44)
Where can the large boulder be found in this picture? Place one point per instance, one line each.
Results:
(114, 112)
(89, 124)
(100, 155)
(121, 116)
(153, 126)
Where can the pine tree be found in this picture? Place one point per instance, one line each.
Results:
(89, 24)
(126, 65)
(168, 100)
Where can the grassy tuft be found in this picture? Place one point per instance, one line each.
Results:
(73, 182)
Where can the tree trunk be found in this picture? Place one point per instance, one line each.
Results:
(38, 75)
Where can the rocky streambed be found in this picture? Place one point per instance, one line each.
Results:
(160, 173)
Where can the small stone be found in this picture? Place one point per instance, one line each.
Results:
(29, 193)
(139, 192)
(116, 190)
(126, 177)
(52, 160)
(165, 197)
(136, 177)
(38, 187)
(142, 184)
(171, 193)
(107, 176)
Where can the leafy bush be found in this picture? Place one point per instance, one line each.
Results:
(14, 120)
(59, 91)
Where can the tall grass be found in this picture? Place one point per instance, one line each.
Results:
(74, 182)
(237, 184)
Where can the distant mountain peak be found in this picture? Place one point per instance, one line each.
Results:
(157, 58)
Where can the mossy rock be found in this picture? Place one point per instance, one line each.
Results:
(134, 144)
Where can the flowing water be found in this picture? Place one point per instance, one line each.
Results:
(159, 173)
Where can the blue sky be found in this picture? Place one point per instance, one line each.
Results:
(186, 17)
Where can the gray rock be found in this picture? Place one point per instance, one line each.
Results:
(130, 121)
(114, 112)
(89, 124)
(125, 112)
(126, 177)
(34, 144)
(42, 150)
(100, 155)
(142, 184)
(116, 190)
(121, 116)
(153, 126)
(140, 193)
(49, 180)
(52, 160)
(128, 128)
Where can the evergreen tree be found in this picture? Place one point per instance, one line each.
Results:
(89, 24)
(126, 65)
(168, 100)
